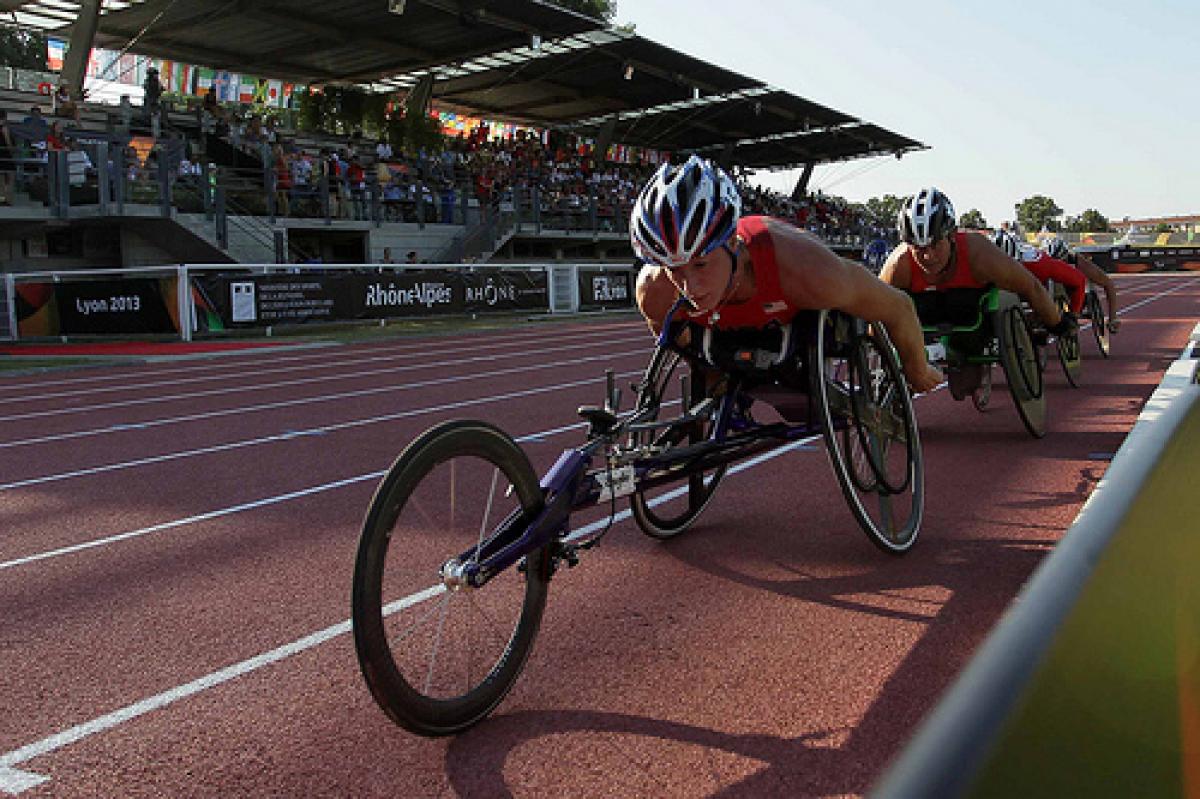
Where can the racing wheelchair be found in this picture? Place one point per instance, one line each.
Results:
(462, 538)
(1094, 311)
(968, 331)
(1067, 346)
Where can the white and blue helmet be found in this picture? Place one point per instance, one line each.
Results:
(926, 217)
(683, 212)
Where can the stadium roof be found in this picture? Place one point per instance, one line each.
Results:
(519, 60)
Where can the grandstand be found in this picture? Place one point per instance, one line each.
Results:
(589, 111)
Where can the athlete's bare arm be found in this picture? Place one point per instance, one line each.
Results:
(895, 271)
(989, 264)
(1098, 276)
(655, 295)
(812, 276)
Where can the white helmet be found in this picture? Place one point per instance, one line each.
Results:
(1007, 242)
(684, 212)
(926, 217)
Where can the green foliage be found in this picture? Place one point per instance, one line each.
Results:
(599, 9)
(882, 211)
(418, 132)
(1163, 227)
(1090, 221)
(1038, 211)
(972, 220)
(310, 114)
(22, 49)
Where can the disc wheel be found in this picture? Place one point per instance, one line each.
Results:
(1099, 319)
(670, 508)
(439, 655)
(870, 430)
(1022, 368)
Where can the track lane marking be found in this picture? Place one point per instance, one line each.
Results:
(15, 781)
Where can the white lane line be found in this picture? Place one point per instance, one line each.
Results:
(305, 381)
(339, 363)
(15, 781)
(244, 409)
(239, 366)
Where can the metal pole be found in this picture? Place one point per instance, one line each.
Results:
(10, 291)
(269, 182)
(222, 222)
(205, 190)
(119, 180)
(325, 198)
(537, 209)
(164, 182)
(421, 205)
(183, 296)
(103, 183)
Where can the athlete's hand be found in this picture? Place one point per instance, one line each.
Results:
(927, 378)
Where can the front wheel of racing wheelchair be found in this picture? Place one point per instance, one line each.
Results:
(870, 430)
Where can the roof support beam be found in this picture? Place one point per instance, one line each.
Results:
(82, 35)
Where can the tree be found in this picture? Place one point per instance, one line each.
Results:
(882, 211)
(22, 49)
(972, 220)
(1090, 221)
(599, 9)
(1037, 212)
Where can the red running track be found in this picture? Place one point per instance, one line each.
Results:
(178, 542)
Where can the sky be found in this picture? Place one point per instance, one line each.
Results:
(1094, 104)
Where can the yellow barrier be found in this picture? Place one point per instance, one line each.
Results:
(1090, 686)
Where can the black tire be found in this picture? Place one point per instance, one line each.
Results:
(668, 510)
(439, 658)
(870, 430)
(1068, 345)
(1099, 319)
(1019, 357)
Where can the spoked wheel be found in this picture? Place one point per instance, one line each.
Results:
(870, 430)
(1068, 346)
(1099, 318)
(1022, 368)
(667, 510)
(439, 655)
(982, 395)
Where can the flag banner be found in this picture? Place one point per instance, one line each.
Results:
(56, 51)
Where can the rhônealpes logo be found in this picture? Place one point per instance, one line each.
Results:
(491, 293)
(391, 295)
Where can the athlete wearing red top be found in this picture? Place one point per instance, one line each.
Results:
(1045, 269)
(934, 256)
(747, 273)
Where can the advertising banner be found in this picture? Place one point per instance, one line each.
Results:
(601, 288)
(97, 307)
(258, 300)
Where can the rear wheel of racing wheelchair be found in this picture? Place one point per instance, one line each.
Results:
(1068, 345)
(668, 510)
(1022, 367)
(870, 430)
(438, 654)
(1094, 310)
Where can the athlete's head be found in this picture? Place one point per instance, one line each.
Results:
(1056, 248)
(683, 220)
(1007, 243)
(684, 212)
(926, 217)
(926, 222)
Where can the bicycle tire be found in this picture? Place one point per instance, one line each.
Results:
(398, 522)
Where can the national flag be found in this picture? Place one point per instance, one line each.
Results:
(275, 93)
(246, 89)
(204, 79)
(56, 51)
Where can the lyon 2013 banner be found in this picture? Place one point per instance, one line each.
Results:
(128, 306)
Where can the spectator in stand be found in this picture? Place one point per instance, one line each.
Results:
(383, 151)
(64, 106)
(35, 124)
(356, 179)
(387, 256)
(448, 199)
(55, 138)
(152, 93)
(283, 180)
(411, 258)
(7, 165)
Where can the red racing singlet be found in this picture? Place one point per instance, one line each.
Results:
(961, 279)
(1045, 268)
(768, 303)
